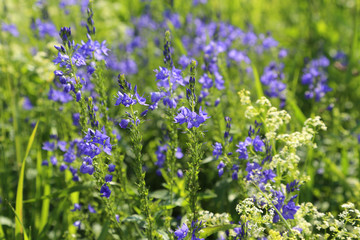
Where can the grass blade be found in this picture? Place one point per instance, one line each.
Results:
(19, 230)
(258, 87)
(17, 217)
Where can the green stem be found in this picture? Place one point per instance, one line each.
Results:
(142, 190)
(277, 211)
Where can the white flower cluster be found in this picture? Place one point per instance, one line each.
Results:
(326, 226)
(211, 219)
(255, 218)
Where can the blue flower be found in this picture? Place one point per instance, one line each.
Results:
(180, 173)
(141, 100)
(63, 167)
(91, 209)
(49, 146)
(314, 75)
(108, 178)
(258, 144)
(183, 116)
(87, 167)
(45, 28)
(124, 123)
(111, 167)
(53, 160)
(238, 56)
(184, 61)
(77, 224)
(11, 28)
(179, 153)
(290, 209)
(161, 156)
(182, 232)
(164, 74)
(242, 148)
(253, 170)
(77, 207)
(69, 156)
(268, 175)
(124, 99)
(217, 150)
(105, 191)
(62, 145)
(293, 186)
(206, 81)
(220, 167)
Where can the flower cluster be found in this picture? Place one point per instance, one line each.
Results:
(273, 77)
(183, 231)
(315, 76)
(192, 119)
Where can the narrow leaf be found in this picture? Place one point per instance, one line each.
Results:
(19, 230)
(258, 87)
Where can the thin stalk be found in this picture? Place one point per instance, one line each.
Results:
(277, 211)
(143, 192)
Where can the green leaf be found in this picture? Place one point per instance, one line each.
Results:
(163, 234)
(208, 194)
(135, 218)
(19, 229)
(206, 232)
(104, 231)
(299, 115)
(258, 87)
(160, 194)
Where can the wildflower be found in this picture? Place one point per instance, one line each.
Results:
(27, 105)
(314, 75)
(111, 167)
(217, 150)
(11, 28)
(182, 232)
(282, 53)
(62, 145)
(105, 191)
(179, 153)
(87, 166)
(273, 78)
(77, 224)
(242, 148)
(184, 61)
(53, 160)
(124, 123)
(161, 155)
(49, 146)
(45, 28)
(253, 170)
(206, 81)
(293, 186)
(65, 33)
(78, 96)
(290, 209)
(164, 75)
(258, 144)
(108, 178)
(124, 99)
(180, 173)
(220, 167)
(77, 207)
(91, 209)
(63, 167)
(268, 175)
